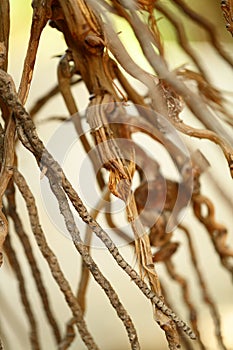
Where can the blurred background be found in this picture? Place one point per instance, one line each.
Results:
(101, 318)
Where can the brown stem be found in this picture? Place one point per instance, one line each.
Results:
(186, 296)
(217, 232)
(12, 212)
(52, 260)
(27, 134)
(91, 265)
(205, 293)
(4, 32)
(85, 273)
(5, 176)
(181, 36)
(69, 335)
(40, 16)
(64, 74)
(12, 257)
(209, 27)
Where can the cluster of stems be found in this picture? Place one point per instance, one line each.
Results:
(96, 56)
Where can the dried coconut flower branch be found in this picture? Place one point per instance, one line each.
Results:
(96, 54)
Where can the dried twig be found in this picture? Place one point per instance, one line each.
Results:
(90, 38)
(28, 136)
(205, 293)
(12, 212)
(91, 265)
(209, 27)
(5, 176)
(182, 37)
(227, 8)
(7, 138)
(12, 257)
(186, 296)
(52, 260)
(217, 232)
(41, 13)
(4, 33)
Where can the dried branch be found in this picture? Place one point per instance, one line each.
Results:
(28, 136)
(7, 137)
(181, 36)
(195, 103)
(217, 232)
(52, 260)
(69, 335)
(40, 16)
(173, 103)
(192, 100)
(5, 176)
(186, 343)
(4, 33)
(64, 73)
(96, 273)
(205, 293)
(187, 300)
(227, 8)
(12, 257)
(209, 27)
(91, 40)
(76, 201)
(12, 212)
(85, 273)
(91, 265)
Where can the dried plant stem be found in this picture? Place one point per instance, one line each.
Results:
(193, 101)
(91, 265)
(227, 9)
(205, 293)
(204, 134)
(64, 75)
(181, 35)
(41, 13)
(11, 254)
(208, 26)
(186, 296)
(7, 137)
(12, 212)
(5, 176)
(69, 335)
(28, 136)
(217, 232)
(144, 254)
(113, 226)
(132, 94)
(119, 259)
(64, 208)
(91, 40)
(4, 32)
(85, 273)
(52, 260)
(186, 343)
